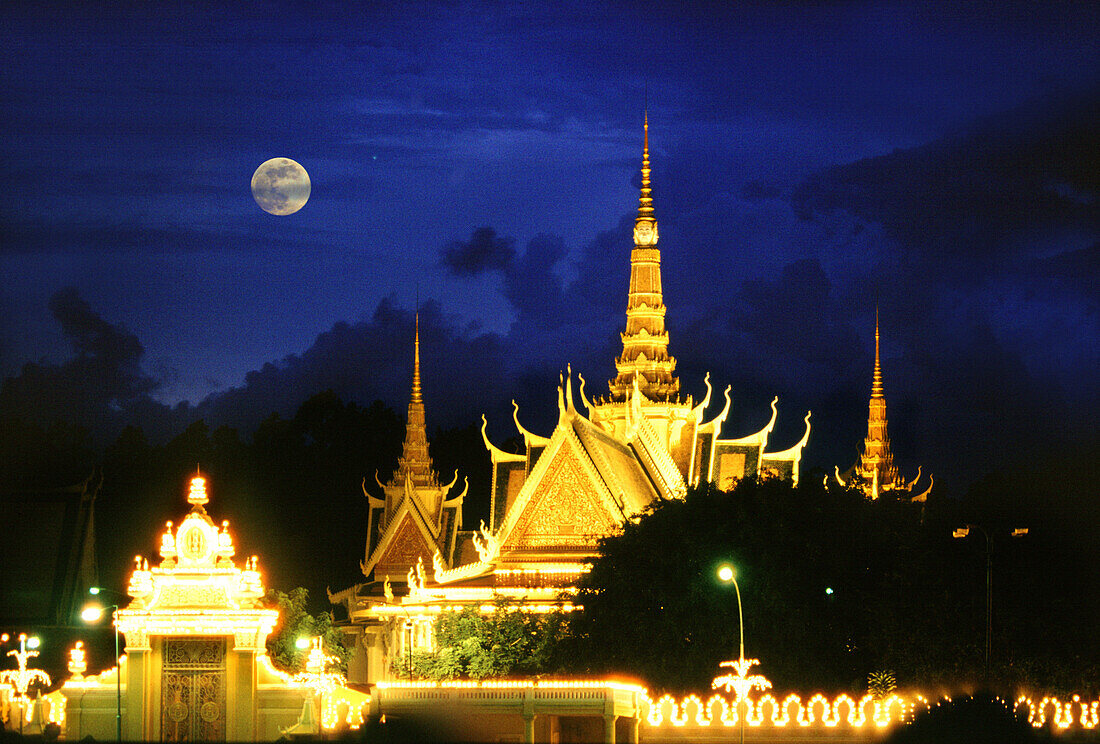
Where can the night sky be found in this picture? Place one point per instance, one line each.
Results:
(810, 160)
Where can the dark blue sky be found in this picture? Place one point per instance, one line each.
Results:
(808, 160)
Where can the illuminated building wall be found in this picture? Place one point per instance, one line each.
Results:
(195, 664)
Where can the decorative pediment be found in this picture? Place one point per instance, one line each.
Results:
(407, 538)
(562, 503)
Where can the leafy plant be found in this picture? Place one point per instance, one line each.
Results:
(507, 642)
(881, 683)
(295, 622)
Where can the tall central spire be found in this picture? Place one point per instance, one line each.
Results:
(876, 379)
(877, 461)
(645, 356)
(645, 201)
(415, 461)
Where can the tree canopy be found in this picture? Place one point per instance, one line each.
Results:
(295, 622)
(834, 587)
(508, 642)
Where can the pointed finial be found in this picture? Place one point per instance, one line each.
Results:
(876, 380)
(197, 495)
(645, 224)
(416, 395)
(645, 201)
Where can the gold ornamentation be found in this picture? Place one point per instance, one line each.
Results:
(566, 510)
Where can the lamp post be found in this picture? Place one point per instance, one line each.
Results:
(23, 678)
(728, 574)
(91, 614)
(962, 532)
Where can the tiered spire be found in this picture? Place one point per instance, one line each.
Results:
(877, 461)
(415, 461)
(645, 342)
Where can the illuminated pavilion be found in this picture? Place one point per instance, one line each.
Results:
(549, 505)
(195, 666)
(875, 473)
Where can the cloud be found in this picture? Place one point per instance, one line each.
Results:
(990, 191)
(95, 388)
(483, 252)
(372, 360)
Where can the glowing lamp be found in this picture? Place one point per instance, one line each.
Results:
(302, 643)
(93, 590)
(961, 532)
(1019, 532)
(726, 573)
(828, 590)
(91, 613)
(34, 642)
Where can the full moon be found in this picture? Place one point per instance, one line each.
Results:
(280, 186)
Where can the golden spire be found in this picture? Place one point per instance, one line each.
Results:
(645, 358)
(876, 379)
(415, 462)
(645, 201)
(416, 393)
(877, 461)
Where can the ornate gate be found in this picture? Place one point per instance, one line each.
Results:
(193, 690)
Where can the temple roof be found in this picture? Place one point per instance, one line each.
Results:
(617, 465)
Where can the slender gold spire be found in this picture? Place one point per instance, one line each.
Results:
(876, 379)
(645, 201)
(645, 356)
(416, 393)
(877, 461)
(415, 461)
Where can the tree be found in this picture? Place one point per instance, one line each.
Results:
(295, 622)
(508, 642)
(819, 572)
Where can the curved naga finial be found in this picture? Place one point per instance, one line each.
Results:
(438, 566)
(485, 544)
(698, 411)
(913, 482)
(836, 469)
(528, 437)
(496, 454)
(924, 496)
(561, 398)
(806, 436)
(584, 399)
(387, 590)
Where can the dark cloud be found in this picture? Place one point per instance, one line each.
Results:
(484, 251)
(991, 191)
(372, 360)
(96, 388)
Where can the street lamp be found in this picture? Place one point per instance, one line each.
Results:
(961, 532)
(23, 678)
(728, 574)
(93, 613)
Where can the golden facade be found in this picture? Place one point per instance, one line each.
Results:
(195, 665)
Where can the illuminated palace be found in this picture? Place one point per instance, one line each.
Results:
(549, 505)
(874, 472)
